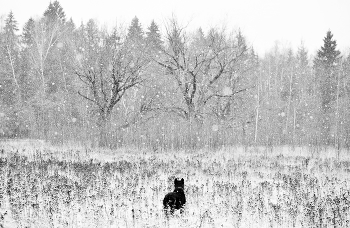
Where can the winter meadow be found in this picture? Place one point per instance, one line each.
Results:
(96, 123)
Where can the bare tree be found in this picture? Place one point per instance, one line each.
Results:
(42, 38)
(200, 68)
(45, 37)
(108, 75)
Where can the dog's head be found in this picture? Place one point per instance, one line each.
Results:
(179, 183)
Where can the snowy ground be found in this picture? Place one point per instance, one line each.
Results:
(46, 186)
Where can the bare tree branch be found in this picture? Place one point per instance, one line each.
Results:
(197, 69)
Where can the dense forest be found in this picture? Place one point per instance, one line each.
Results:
(166, 88)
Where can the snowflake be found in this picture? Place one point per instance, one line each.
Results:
(215, 127)
(59, 45)
(79, 57)
(227, 91)
(110, 67)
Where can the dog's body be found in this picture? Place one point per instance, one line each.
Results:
(175, 200)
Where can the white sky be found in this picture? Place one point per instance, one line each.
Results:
(261, 21)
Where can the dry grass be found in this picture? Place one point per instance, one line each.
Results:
(45, 186)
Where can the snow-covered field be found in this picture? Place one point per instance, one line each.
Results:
(47, 186)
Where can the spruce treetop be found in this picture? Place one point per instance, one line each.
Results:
(135, 31)
(10, 29)
(302, 56)
(27, 34)
(55, 12)
(11, 24)
(327, 56)
(153, 35)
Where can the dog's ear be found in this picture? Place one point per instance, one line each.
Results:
(182, 180)
(175, 181)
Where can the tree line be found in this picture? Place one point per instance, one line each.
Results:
(172, 89)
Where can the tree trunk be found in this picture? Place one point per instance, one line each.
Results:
(12, 68)
(294, 125)
(257, 115)
(194, 126)
(103, 125)
(337, 135)
(288, 107)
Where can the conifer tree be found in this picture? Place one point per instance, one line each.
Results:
(326, 70)
(55, 12)
(302, 57)
(135, 31)
(27, 34)
(304, 79)
(153, 38)
(27, 69)
(11, 24)
(10, 48)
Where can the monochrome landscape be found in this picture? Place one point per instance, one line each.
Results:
(106, 127)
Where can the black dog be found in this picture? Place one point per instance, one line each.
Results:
(176, 199)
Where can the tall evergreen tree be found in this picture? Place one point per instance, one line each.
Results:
(11, 25)
(153, 38)
(304, 78)
(326, 70)
(9, 47)
(27, 39)
(302, 57)
(27, 34)
(346, 71)
(55, 12)
(327, 56)
(135, 32)
(199, 37)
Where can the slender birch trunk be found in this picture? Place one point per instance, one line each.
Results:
(257, 114)
(289, 102)
(12, 66)
(336, 136)
(294, 124)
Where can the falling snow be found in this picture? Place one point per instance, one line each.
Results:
(96, 123)
(59, 45)
(227, 91)
(215, 128)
